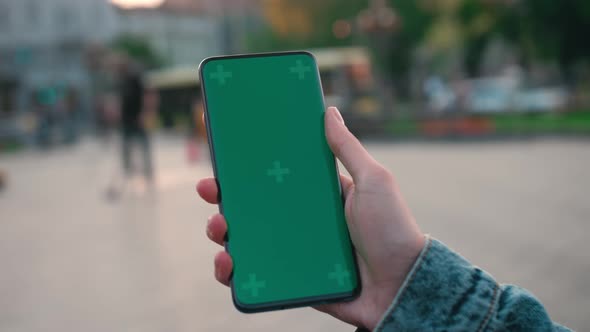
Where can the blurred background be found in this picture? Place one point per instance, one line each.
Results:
(480, 107)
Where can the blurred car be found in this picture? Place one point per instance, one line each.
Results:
(347, 83)
(541, 99)
(505, 94)
(488, 95)
(439, 95)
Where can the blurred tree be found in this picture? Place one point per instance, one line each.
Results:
(310, 24)
(139, 50)
(416, 18)
(557, 30)
(304, 23)
(541, 29)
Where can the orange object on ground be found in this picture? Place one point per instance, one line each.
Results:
(468, 126)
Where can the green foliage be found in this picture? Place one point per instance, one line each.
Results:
(559, 29)
(541, 29)
(572, 122)
(139, 50)
(322, 15)
(547, 30)
(392, 51)
(415, 24)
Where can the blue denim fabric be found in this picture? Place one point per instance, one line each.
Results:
(444, 292)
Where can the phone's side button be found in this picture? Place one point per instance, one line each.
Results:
(226, 237)
(218, 191)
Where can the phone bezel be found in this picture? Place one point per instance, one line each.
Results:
(290, 303)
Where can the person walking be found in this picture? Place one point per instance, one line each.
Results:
(133, 124)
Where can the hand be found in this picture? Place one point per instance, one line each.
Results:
(385, 235)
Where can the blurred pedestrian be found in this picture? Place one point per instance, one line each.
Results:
(2, 180)
(133, 120)
(197, 132)
(70, 114)
(106, 103)
(44, 116)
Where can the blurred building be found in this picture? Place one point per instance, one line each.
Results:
(239, 19)
(42, 46)
(179, 31)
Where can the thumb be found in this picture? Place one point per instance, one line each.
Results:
(345, 146)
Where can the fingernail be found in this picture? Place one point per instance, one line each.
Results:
(337, 114)
(209, 233)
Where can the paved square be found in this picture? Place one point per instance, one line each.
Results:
(72, 261)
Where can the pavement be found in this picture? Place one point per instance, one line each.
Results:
(73, 260)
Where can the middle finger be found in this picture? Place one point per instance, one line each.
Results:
(217, 228)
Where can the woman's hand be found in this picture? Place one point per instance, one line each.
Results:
(385, 235)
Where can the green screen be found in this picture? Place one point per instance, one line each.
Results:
(278, 179)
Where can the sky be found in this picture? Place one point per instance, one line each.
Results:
(136, 3)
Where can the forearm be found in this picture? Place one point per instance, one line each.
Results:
(446, 292)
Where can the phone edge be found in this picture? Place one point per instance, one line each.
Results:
(293, 303)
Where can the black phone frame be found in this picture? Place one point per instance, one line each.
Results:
(290, 303)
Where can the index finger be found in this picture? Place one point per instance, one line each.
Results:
(346, 183)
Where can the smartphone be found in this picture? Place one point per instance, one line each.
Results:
(279, 186)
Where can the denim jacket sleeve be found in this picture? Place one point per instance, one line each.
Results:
(444, 292)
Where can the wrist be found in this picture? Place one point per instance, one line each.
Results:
(386, 293)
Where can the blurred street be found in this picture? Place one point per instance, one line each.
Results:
(71, 260)
(488, 106)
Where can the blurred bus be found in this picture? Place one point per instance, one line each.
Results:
(347, 80)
